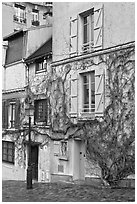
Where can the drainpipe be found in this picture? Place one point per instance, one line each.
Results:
(4, 50)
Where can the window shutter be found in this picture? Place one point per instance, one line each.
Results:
(74, 94)
(45, 110)
(73, 36)
(99, 91)
(17, 113)
(98, 28)
(35, 111)
(4, 114)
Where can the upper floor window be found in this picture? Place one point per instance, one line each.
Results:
(88, 28)
(20, 14)
(88, 81)
(41, 65)
(35, 14)
(86, 31)
(10, 114)
(87, 93)
(41, 111)
(8, 151)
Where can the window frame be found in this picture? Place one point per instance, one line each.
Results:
(11, 115)
(43, 62)
(88, 45)
(43, 109)
(90, 109)
(19, 9)
(8, 143)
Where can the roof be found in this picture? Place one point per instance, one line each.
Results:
(42, 51)
(13, 34)
(22, 30)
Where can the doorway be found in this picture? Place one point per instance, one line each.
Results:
(34, 161)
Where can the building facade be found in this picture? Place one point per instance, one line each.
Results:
(17, 15)
(66, 79)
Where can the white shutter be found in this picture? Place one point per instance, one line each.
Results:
(74, 94)
(73, 36)
(99, 91)
(98, 28)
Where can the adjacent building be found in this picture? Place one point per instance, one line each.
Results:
(17, 15)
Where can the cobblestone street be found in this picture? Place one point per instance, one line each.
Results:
(15, 191)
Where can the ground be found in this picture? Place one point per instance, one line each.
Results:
(15, 191)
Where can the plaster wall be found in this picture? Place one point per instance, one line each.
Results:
(14, 76)
(17, 170)
(119, 24)
(12, 172)
(57, 160)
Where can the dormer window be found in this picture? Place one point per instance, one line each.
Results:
(41, 65)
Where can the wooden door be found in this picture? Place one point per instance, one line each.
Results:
(34, 162)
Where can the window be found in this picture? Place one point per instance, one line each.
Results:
(41, 65)
(20, 14)
(8, 151)
(88, 82)
(35, 15)
(88, 32)
(41, 111)
(11, 115)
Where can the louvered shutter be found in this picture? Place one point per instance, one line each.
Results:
(73, 36)
(17, 114)
(98, 28)
(99, 91)
(4, 113)
(74, 94)
(45, 111)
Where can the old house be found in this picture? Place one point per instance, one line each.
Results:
(21, 44)
(86, 36)
(66, 79)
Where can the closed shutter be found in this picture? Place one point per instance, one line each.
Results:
(4, 113)
(99, 91)
(45, 111)
(98, 28)
(73, 36)
(17, 114)
(74, 94)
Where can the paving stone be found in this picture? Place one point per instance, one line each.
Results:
(15, 191)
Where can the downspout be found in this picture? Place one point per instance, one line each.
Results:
(26, 77)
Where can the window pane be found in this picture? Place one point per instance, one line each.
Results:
(41, 110)
(4, 157)
(8, 151)
(10, 158)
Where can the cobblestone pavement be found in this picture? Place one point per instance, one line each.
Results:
(15, 191)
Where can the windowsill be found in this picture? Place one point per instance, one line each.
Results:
(87, 115)
(63, 158)
(8, 163)
(19, 22)
(41, 71)
(41, 124)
